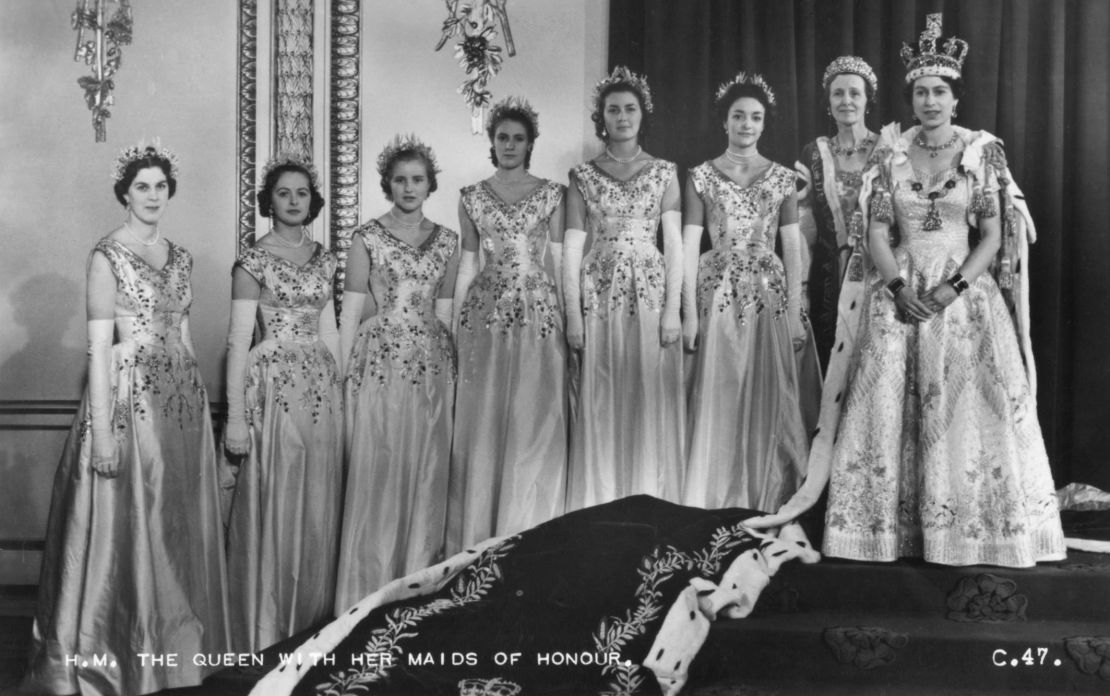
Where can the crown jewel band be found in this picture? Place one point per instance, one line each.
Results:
(928, 61)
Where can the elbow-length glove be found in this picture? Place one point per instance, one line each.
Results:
(236, 435)
(691, 252)
(105, 457)
(573, 243)
(670, 326)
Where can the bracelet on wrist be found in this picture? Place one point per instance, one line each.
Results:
(959, 283)
(895, 286)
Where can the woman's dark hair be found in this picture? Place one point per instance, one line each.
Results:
(134, 167)
(739, 91)
(266, 193)
(956, 84)
(520, 117)
(598, 116)
(407, 155)
(868, 90)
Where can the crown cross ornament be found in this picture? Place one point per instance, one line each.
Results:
(928, 61)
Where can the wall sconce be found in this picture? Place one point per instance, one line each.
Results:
(102, 53)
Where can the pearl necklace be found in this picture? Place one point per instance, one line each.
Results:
(280, 241)
(405, 225)
(624, 160)
(934, 150)
(738, 158)
(153, 240)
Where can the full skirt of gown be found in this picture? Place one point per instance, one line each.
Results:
(747, 428)
(400, 413)
(510, 444)
(629, 436)
(283, 537)
(135, 564)
(939, 453)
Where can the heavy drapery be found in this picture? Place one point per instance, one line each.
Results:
(1036, 76)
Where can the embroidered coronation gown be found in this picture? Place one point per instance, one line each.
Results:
(283, 537)
(509, 459)
(748, 439)
(628, 436)
(939, 453)
(400, 391)
(135, 563)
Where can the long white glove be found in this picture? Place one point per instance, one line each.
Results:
(574, 241)
(239, 333)
(691, 253)
(328, 331)
(557, 263)
(349, 319)
(445, 311)
(670, 325)
(105, 457)
(468, 269)
(792, 259)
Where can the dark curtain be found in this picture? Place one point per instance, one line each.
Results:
(1036, 76)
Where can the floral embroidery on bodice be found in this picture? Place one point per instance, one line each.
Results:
(513, 288)
(299, 370)
(742, 271)
(292, 295)
(624, 268)
(150, 302)
(913, 210)
(405, 280)
(154, 369)
(743, 216)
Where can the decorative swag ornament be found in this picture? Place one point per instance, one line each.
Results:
(102, 52)
(476, 22)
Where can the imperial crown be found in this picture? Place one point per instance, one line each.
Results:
(930, 61)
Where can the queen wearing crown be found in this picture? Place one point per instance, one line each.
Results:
(399, 380)
(743, 314)
(929, 423)
(285, 418)
(134, 557)
(622, 308)
(509, 454)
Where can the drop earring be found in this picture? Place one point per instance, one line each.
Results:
(953, 113)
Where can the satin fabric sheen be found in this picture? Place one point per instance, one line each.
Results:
(748, 438)
(135, 564)
(400, 392)
(629, 431)
(939, 453)
(509, 456)
(283, 536)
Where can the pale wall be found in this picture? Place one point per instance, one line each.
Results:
(178, 81)
(409, 87)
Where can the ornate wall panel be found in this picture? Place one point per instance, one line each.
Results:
(293, 24)
(345, 142)
(247, 119)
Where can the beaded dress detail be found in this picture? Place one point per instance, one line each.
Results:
(629, 430)
(285, 514)
(400, 394)
(509, 456)
(748, 439)
(135, 563)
